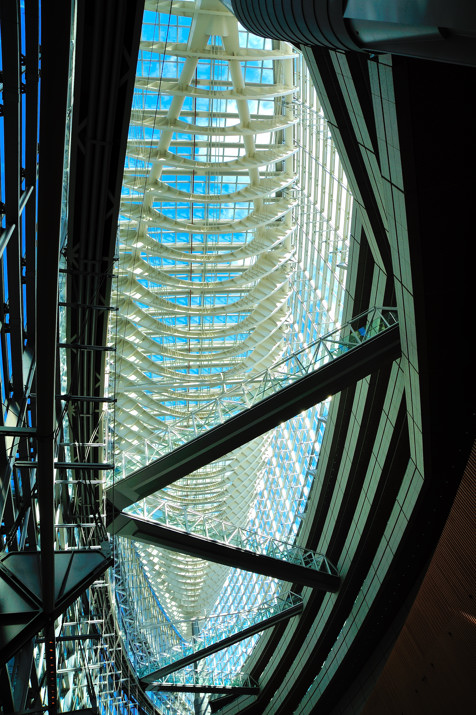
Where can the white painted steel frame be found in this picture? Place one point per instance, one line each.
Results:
(204, 257)
(223, 239)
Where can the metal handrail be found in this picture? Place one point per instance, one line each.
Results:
(200, 524)
(218, 628)
(208, 677)
(258, 387)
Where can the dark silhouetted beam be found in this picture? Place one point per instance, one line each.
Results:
(22, 613)
(220, 644)
(219, 689)
(55, 50)
(328, 380)
(167, 537)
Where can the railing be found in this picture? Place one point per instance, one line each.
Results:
(216, 629)
(202, 525)
(137, 608)
(207, 677)
(258, 387)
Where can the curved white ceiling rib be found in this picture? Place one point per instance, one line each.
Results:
(259, 157)
(255, 219)
(205, 254)
(150, 118)
(264, 240)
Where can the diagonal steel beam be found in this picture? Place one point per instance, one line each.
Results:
(294, 610)
(205, 688)
(149, 532)
(330, 379)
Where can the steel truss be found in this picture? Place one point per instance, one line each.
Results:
(218, 632)
(191, 533)
(55, 280)
(53, 542)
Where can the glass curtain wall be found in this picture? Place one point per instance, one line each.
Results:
(232, 250)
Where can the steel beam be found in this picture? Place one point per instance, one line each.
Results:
(6, 689)
(21, 676)
(147, 680)
(55, 49)
(83, 711)
(31, 162)
(11, 431)
(149, 532)
(218, 689)
(77, 637)
(328, 380)
(7, 431)
(10, 31)
(22, 612)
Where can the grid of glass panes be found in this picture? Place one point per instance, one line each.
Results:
(322, 216)
(322, 241)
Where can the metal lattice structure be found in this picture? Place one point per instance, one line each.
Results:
(286, 371)
(221, 267)
(209, 202)
(217, 229)
(205, 253)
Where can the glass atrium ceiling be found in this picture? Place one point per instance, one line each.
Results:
(232, 253)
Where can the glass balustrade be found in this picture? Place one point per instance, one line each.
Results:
(217, 629)
(164, 513)
(258, 387)
(206, 677)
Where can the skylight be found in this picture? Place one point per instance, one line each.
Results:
(232, 245)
